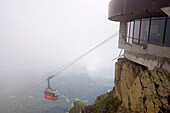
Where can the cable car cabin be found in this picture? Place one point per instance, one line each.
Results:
(51, 94)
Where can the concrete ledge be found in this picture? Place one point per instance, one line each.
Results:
(151, 64)
(166, 66)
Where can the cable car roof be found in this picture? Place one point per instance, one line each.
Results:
(51, 90)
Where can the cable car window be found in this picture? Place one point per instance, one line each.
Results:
(136, 31)
(127, 32)
(53, 94)
(167, 34)
(144, 31)
(131, 32)
(157, 30)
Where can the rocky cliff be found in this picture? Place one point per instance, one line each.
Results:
(137, 89)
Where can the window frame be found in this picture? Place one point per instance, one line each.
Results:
(129, 30)
(167, 18)
(138, 33)
(144, 19)
(165, 24)
(131, 37)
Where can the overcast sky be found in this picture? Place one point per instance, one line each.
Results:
(39, 35)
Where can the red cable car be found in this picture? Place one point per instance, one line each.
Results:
(49, 93)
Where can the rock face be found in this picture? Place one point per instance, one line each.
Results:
(140, 89)
(137, 90)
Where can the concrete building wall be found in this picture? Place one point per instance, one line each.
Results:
(122, 33)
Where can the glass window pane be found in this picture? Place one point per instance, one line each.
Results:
(136, 31)
(157, 30)
(167, 35)
(131, 32)
(144, 31)
(127, 32)
(53, 94)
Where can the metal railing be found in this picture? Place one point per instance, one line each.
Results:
(139, 41)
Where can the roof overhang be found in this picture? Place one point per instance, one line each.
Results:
(128, 9)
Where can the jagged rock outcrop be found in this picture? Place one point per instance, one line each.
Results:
(140, 89)
(137, 90)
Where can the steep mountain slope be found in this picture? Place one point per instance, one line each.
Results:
(138, 89)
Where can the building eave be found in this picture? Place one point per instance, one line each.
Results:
(120, 10)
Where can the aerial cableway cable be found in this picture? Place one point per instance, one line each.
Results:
(68, 64)
(120, 55)
(80, 49)
(65, 66)
(70, 55)
(84, 54)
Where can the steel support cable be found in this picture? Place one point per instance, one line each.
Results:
(117, 57)
(72, 52)
(97, 37)
(71, 56)
(112, 36)
(79, 56)
(120, 55)
(59, 67)
(65, 66)
(69, 64)
(84, 54)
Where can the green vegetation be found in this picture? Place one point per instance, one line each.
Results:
(108, 104)
(77, 107)
(105, 103)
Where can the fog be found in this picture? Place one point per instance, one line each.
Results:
(39, 35)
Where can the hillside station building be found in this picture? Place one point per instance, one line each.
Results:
(144, 31)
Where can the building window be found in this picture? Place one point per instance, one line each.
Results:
(131, 32)
(157, 29)
(127, 32)
(154, 29)
(136, 31)
(167, 35)
(144, 31)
